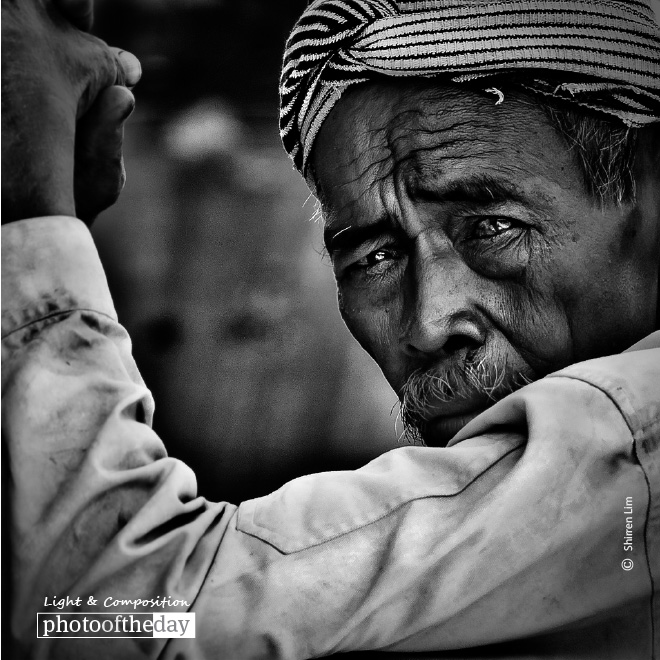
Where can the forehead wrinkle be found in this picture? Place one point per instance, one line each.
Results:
(445, 119)
(425, 135)
(372, 164)
(367, 192)
(428, 166)
(453, 140)
(433, 159)
(368, 143)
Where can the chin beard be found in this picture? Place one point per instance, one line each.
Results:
(469, 380)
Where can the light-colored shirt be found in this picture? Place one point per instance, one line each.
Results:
(514, 535)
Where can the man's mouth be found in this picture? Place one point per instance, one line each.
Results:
(436, 405)
(443, 420)
(438, 431)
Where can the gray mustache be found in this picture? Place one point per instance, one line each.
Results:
(473, 379)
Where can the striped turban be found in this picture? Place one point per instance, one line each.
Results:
(599, 54)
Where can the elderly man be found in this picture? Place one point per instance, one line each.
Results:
(488, 173)
(484, 230)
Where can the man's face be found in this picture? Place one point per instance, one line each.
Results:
(469, 258)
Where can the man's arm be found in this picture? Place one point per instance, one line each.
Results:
(517, 530)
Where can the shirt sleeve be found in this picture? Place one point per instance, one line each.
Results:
(514, 531)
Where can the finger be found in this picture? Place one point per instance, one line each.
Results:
(105, 67)
(99, 171)
(129, 69)
(79, 12)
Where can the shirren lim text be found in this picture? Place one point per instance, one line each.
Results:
(628, 538)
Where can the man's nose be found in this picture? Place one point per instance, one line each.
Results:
(441, 317)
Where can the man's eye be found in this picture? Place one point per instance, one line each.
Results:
(382, 264)
(375, 258)
(489, 227)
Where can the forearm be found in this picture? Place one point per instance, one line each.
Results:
(90, 480)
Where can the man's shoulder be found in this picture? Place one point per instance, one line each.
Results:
(630, 379)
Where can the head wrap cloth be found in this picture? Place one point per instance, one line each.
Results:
(599, 54)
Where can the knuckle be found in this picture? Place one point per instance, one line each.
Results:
(99, 71)
(100, 62)
(106, 64)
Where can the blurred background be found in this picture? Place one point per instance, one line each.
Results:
(215, 260)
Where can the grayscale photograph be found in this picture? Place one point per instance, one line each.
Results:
(331, 328)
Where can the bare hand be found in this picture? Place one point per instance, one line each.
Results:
(61, 112)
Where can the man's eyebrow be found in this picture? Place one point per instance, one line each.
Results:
(476, 189)
(479, 189)
(341, 238)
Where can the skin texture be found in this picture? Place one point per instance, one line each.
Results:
(461, 233)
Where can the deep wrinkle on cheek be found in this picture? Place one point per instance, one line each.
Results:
(534, 320)
(551, 227)
(374, 328)
(359, 291)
